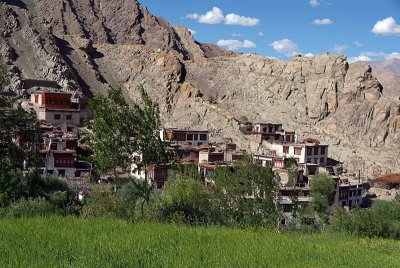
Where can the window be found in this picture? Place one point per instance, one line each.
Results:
(57, 116)
(309, 151)
(203, 137)
(53, 146)
(308, 160)
(358, 192)
(265, 130)
(68, 117)
(323, 150)
(322, 160)
(315, 160)
(315, 150)
(61, 172)
(297, 151)
(189, 137)
(285, 149)
(199, 144)
(195, 137)
(350, 193)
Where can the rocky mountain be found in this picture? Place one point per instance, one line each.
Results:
(85, 45)
(388, 74)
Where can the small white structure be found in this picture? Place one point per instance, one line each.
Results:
(137, 158)
(184, 136)
(57, 107)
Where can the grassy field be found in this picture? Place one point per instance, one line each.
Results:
(71, 242)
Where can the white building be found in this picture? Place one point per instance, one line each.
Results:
(184, 136)
(57, 107)
(304, 153)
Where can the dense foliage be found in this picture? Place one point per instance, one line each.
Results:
(381, 220)
(322, 187)
(245, 194)
(118, 130)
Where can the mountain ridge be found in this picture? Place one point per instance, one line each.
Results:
(86, 45)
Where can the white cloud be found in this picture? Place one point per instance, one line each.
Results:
(339, 49)
(369, 56)
(372, 54)
(194, 16)
(236, 44)
(234, 19)
(325, 21)
(314, 3)
(386, 27)
(285, 47)
(260, 34)
(309, 55)
(358, 44)
(359, 58)
(237, 35)
(216, 16)
(192, 32)
(394, 55)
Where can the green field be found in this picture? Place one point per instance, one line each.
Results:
(71, 242)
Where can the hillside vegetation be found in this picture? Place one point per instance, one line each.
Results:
(73, 242)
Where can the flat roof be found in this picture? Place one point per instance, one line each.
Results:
(60, 109)
(55, 91)
(299, 144)
(184, 130)
(275, 124)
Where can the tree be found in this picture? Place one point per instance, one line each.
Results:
(133, 192)
(15, 122)
(186, 197)
(322, 187)
(149, 142)
(114, 128)
(120, 130)
(293, 174)
(245, 193)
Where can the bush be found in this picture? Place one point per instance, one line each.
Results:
(104, 205)
(184, 200)
(381, 220)
(30, 208)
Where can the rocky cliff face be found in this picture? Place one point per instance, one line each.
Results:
(388, 74)
(85, 45)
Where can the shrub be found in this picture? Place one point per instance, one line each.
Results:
(30, 208)
(184, 200)
(381, 220)
(104, 205)
(212, 99)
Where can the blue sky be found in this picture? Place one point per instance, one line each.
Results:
(360, 29)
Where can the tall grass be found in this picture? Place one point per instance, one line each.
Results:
(74, 242)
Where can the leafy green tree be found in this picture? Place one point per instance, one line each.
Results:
(245, 193)
(186, 197)
(14, 122)
(322, 187)
(120, 130)
(149, 142)
(113, 131)
(187, 170)
(293, 174)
